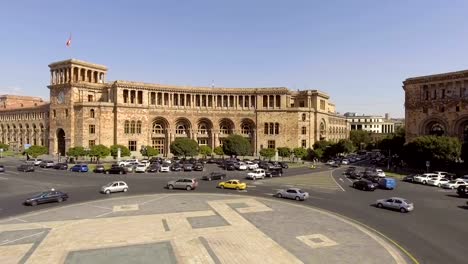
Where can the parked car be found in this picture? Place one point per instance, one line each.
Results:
(462, 190)
(115, 186)
(251, 165)
(36, 162)
(233, 184)
(453, 184)
(256, 174)
(240, 166)
(292, 193)
(283, 165)
(437, 182)
(274, 173)
(211, 161)
(345, 161)
(214, 176)
(128, 162)
(395, 203)
(26, 168)
(273, 166)
(229, 165)
(61, 166)
(198, 167)
(140, 168)
(188, 167)
(424, 178)
(46, 197)
(187, 184)
(99, 169)
(2, 168)
(464, 178)
(176, 167)
(154, 167)
(387, 183)
(350, 170)
(79, 168)
(364, 185)
(380, 173)
(46, 164)
(129, 168)
(116, 170)
(409, 178)
(165, 167)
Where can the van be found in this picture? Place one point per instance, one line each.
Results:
(387, 183)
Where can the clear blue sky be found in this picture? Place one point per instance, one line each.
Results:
(357, 51)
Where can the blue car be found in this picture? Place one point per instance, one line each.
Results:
(80, 168)
(387, 183)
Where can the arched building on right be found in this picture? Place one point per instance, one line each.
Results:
(437, 105)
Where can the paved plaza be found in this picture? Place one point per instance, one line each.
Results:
(189, 228)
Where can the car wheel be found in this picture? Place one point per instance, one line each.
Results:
(403, 210)
(452, 187)
(279, 195)
(354, 186)
(379, 205)
(237, 188)
(297, 198)
(222, 186)
(279, 175)
(33, 203)
(188, 188)
(439, 185)
(125, 189)
(209, 179)
(107, 172)
(108, 191)
(120, 172)
(170, 187)
(59, 200)
(424, 182)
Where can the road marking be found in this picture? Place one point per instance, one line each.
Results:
(241, 190)
(3, 178)
(331, 176)
(269, 194)
(251, 186)
(349, 180)
(21, 238)
(341, 179)
(152, 200)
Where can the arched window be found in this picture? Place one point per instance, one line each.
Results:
(323, 129)
(202, 129)
(127, 127)
(245, 129)
(437, 130)
(224, 129)
(180, 129)
(138, 127)
(132, 127)
(158, 128)
(91, 113)
(304, 117)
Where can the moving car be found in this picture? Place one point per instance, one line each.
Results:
(380, 173)
(99, 169)
(462, 191)
(79, 168)
(115, 186)
(116, 170)
(61, 166)
(424, 178)
(47, 197)
(256, 174)
(365, 185)
(46, 164)
(214, 176)
(387, 183)
(293, 193)
(37, 162)
(233, 184)
(437, 182)
(26, 168)
(453, 184)
(187, 184)
(395, 203)
(274, 173)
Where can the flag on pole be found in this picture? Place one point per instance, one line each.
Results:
(68, 44)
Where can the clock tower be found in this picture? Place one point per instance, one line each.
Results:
(70, 82)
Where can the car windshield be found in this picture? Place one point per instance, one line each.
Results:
(407, 202)
(109, 184)
(301, 191)
(39, 195)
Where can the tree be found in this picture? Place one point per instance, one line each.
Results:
(35, 151)
(4, 146)
(124, 151)
(237, 145)
(205, 151)
(76, 152)
(314, 154)
(99, 151)
(300, 152)
(438, 150)
(360, 138)
(345, 146)
(149, 151)
(268, 153)
(219, 151)
(322, 144)
(184, 147)
(284, 152)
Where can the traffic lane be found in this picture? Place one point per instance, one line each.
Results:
(436, 222)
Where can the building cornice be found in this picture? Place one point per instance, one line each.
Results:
(437, 77)
(75, 62)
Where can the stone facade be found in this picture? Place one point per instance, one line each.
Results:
(437, 105)
(85, 110)
(372, 123)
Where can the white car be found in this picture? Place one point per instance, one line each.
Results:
(330, 162)
(128, 162)
(116, 186)
(453, 184)
(251, 165)
(424, 178)
(441, 173)
(437, 182)
(380, 173)
(240, 166)
(37, 162)
(256, 174)
(165, 167)
(345, 162)
(140, 168)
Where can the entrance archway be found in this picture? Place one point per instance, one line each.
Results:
(61, 141)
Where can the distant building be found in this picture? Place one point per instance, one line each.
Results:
(373, 123)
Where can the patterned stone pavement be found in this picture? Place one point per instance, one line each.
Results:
(190, 228)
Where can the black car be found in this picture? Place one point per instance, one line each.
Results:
(198, 167)
(355, 175)
(350, 170)
(154, 167)
(263, 165)
(26, 167)
(61, 166)
(211, 161)
(176, 167)
(462, 191)
(99, 169)
(274, 173)
(371, 178)
(2, 168)
(47, 197)
(229, 166)
(187, 166)
(116, 170)
(283, 165)
(365, 185)
(214, 176)
(409, 178)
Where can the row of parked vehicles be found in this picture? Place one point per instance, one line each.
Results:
(443, 180)
(370, 179)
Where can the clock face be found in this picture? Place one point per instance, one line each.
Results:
(60, 97)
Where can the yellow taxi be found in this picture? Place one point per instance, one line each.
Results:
(233, 184)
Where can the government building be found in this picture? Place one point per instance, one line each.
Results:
(437, 105)
(85, 110)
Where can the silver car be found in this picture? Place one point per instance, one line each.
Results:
(116, 186)
(187, 184)
(395, 203)
(292, 193)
